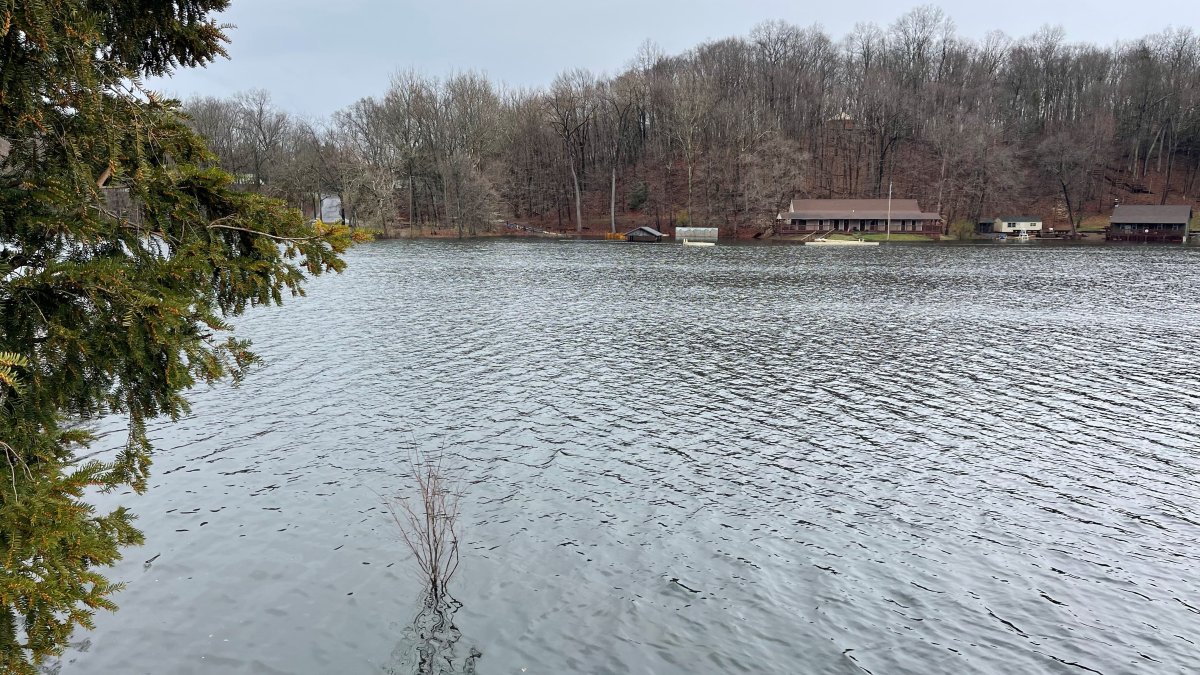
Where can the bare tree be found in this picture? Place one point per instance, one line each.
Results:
(966, 126)
(218, 121)
(621, 96)
(571, 105)
(1068, 158)
(263, 126)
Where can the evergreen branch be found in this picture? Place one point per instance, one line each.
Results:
(214, 225)
(111, 308)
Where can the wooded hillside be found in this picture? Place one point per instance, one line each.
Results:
(726, 133)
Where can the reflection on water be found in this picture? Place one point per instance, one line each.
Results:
(429, 645)
(739, 459)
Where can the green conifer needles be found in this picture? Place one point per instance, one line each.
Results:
(122, 252)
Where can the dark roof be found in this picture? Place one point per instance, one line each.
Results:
(856, 209)
(1151, 215)
(1019, 219)
(859, 215)
(854, 205)
(647, 229)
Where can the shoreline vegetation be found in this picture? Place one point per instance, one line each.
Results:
(726, 133)
(1090, 235)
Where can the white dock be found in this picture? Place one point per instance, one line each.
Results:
(840, 242)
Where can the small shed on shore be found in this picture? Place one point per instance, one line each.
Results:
(696, 233)
(644, 233)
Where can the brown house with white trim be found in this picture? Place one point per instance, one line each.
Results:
(857, 215)
(1148, 223)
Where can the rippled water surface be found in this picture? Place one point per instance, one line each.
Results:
(744, 459)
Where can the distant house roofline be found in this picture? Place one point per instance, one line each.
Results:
(859, 215)
(854, 204)
(1137, 214)
(647, 229)
(857, 209)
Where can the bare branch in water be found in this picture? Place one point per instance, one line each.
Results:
(428, 519)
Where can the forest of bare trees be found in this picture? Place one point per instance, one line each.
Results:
(726, 133)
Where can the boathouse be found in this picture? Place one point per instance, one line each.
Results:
(857, 215)
(1149, 223)
(1011, 225)
(644, 233)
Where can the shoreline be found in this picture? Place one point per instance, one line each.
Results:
(1086, 239)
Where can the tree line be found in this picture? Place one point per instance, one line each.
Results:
(727, 133)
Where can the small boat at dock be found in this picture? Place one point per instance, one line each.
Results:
(688, 242)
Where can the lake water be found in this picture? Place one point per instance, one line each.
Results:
(740, 459)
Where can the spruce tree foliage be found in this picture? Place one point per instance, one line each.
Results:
(107, 312)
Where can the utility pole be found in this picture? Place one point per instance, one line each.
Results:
(889, 218)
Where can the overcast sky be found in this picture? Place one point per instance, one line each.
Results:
(318, 56)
